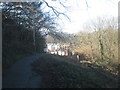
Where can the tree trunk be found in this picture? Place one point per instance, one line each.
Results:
(34, 40)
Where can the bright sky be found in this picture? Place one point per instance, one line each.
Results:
(79, 13)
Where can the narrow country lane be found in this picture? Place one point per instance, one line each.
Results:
(21, 74)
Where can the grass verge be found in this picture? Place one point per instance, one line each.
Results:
(62, 72)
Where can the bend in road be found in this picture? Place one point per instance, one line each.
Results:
(21, 74)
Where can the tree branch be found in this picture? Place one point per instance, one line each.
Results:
(57, 13)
